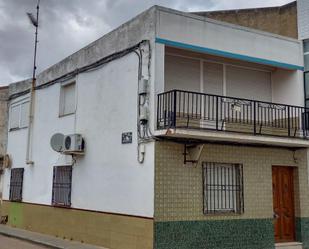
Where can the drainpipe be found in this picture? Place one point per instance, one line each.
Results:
(35, 22)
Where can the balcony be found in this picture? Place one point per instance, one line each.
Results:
(179, 109)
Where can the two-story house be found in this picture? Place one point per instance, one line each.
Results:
(195, 135)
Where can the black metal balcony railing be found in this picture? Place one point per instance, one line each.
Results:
(183, 109)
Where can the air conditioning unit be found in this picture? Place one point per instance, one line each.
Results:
(73, 144)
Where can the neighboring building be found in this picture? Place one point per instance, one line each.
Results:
(3, 132)
(196, 136)
(303, 30)
(281, 20)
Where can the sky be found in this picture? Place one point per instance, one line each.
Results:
(68, 25)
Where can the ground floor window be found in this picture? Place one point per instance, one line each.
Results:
(223, 188)
(62, 182)
(16, 184)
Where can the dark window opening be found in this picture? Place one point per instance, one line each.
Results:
(16, 184)
(62, 182)
(223, 188)
(306, 79)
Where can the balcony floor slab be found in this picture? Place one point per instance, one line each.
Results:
(232, 137)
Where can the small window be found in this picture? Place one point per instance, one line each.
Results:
(67, 99)
(306, 59)
(16, 184)
(14, 117)
(19, 115)
(307, 85)
(62, 181)
(306, 46)
(223, 188)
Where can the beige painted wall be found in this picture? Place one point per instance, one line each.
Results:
(178, 188)
(109, 230)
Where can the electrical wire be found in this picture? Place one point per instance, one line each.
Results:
(143, 130)
(83, 69)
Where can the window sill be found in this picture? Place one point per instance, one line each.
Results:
(56, 205)
(65, 115)
(17, 129)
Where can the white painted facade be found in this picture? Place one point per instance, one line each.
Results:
(208, 33)
(109, 177)
(279, 84)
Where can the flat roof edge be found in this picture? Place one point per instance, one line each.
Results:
(226, 24)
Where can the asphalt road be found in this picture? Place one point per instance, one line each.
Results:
(12, 243)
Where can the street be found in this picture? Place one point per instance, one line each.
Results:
(12, 243)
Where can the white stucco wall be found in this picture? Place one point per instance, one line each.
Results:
(207, 33)
(108, 177)
(288, 87)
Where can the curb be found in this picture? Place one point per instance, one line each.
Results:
(34, 241)
(48, 241)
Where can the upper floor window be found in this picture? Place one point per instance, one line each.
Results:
(306, 46)
(19, 114)
(306, 76)
(306, 55)
(67, 99)
(223, 188)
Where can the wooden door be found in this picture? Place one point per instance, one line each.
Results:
(283, 203)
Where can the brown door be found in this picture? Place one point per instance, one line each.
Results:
(283, 202)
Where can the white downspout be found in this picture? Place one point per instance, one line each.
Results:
(30, 122)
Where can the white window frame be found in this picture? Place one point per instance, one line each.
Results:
(61, 100)
(19, 103)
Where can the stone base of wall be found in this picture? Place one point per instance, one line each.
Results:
(109, 230)
(215, 234)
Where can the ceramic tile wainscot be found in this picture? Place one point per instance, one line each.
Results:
(221, 234)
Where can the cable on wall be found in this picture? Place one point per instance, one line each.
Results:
(144, 134)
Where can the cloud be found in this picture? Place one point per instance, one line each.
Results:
(68, 25)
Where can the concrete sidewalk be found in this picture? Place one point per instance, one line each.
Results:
(43, 239)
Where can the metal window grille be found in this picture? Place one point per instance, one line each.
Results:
(223, 188)
(16, 184)
(62, 181)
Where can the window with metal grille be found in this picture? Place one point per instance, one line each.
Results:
(223, 188)
(16, 184)
(62, 181)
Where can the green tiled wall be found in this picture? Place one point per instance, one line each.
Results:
(220, 234)
(302, 231)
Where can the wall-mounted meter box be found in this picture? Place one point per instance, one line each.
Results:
(143, 116)
(143, 86)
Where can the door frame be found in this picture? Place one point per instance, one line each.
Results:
(292, 168)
